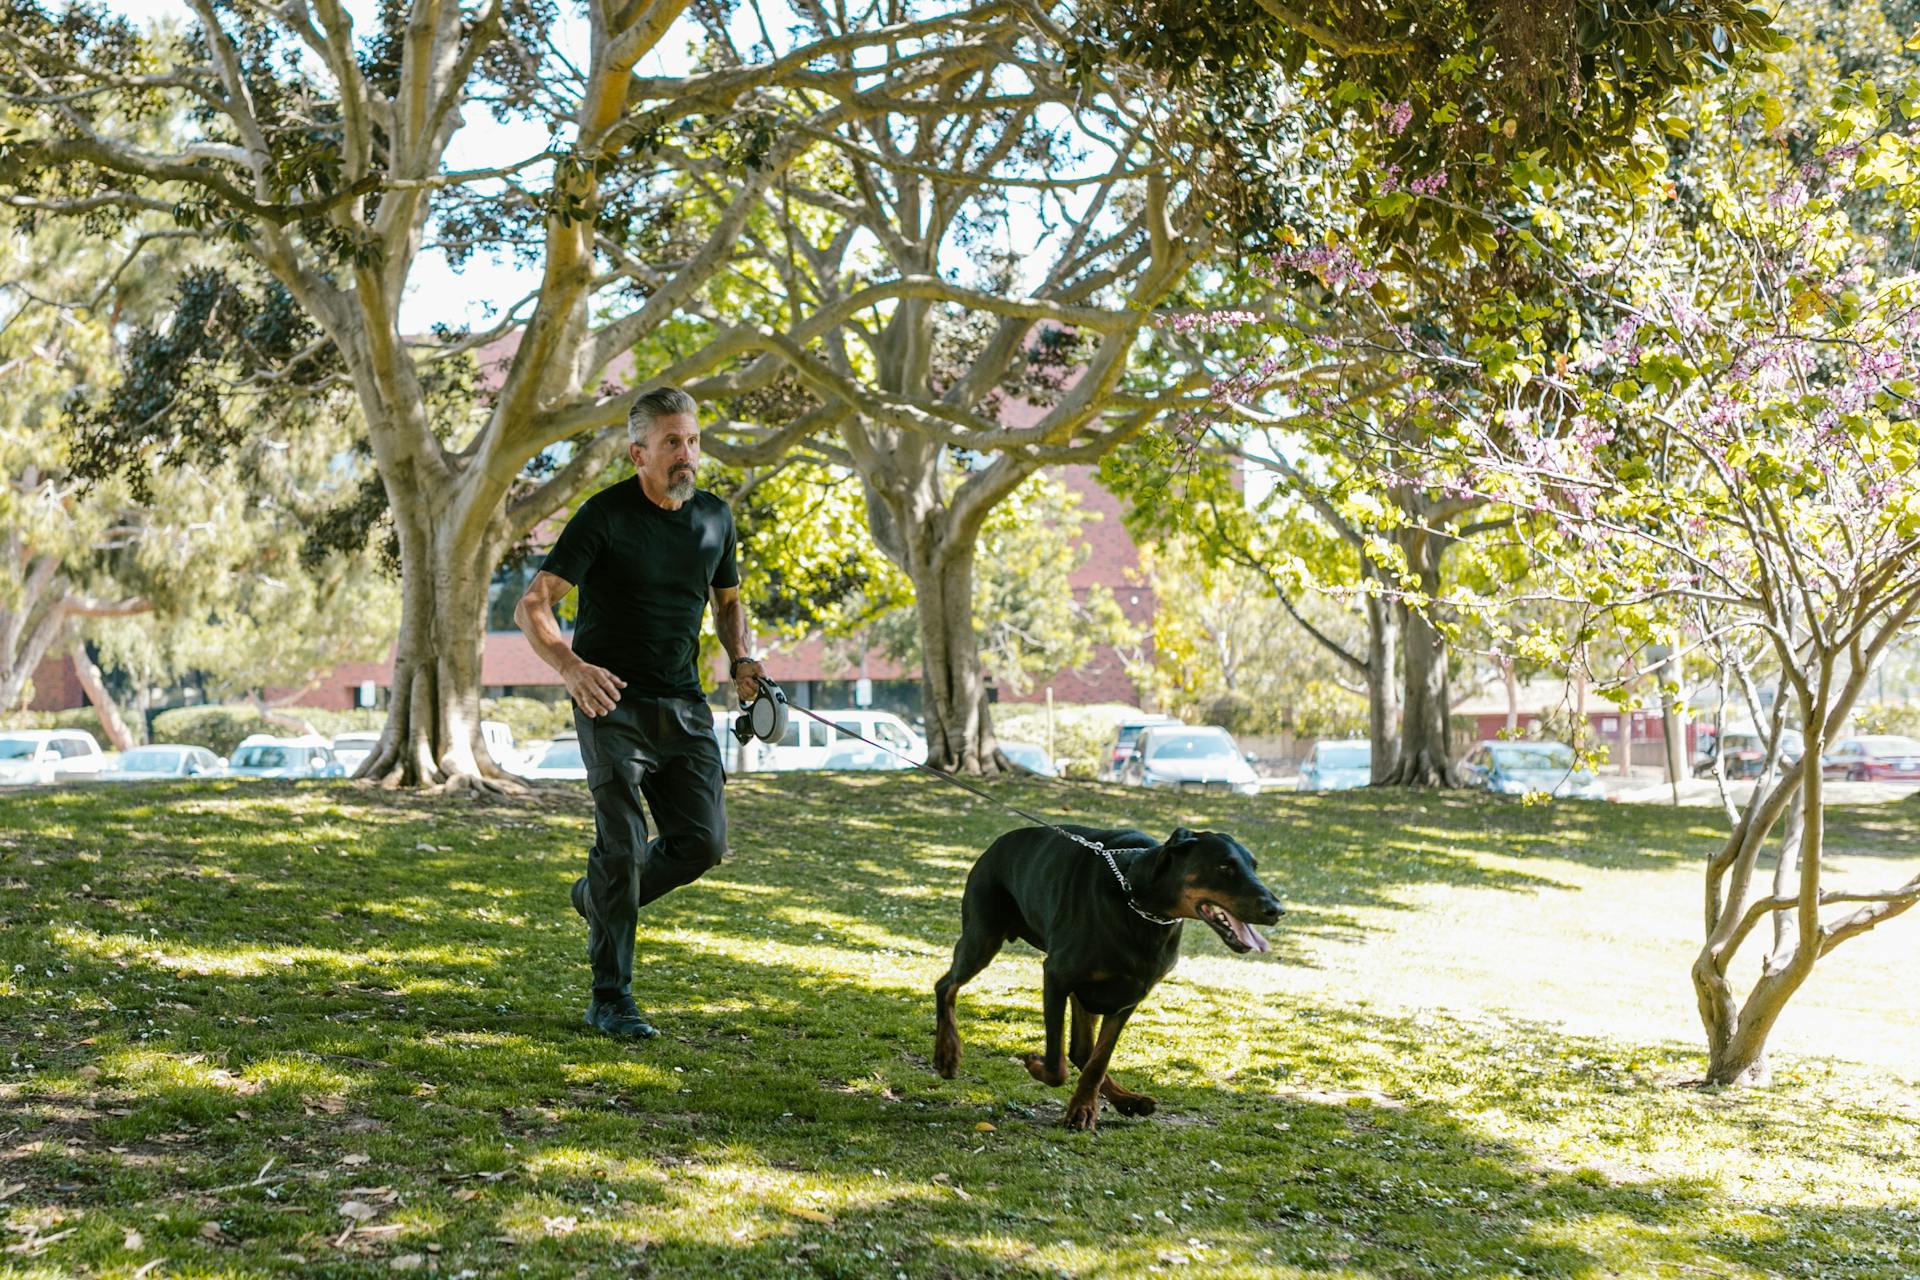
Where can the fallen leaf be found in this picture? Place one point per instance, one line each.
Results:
(811, 1215)
(11, 1189)
(212, 1231)
(466, 1193)
(134, 1240)
(358, 1210)
(356, 1159)
(88, 1072)
(147, 1267)
(408, 1262)
(983, 1127)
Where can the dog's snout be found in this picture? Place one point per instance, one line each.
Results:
(1273, 911)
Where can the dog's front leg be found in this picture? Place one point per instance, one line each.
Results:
(1052, 1068)
(1083, 1108)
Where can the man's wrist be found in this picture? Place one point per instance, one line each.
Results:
(733, 668)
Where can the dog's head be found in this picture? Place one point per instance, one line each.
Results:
(1211, 878)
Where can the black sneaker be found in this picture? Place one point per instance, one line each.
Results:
(580, 897)
(620, 1018)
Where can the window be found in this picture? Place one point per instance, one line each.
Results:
(71, 748)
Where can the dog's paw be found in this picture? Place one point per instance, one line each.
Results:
(1134, 1104)
(946, 1058)
(1083, 1115)
(1037, 1068)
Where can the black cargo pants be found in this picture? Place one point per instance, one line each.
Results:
(662, 749)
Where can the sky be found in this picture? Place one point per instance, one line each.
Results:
(437, 293)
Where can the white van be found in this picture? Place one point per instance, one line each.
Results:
(39, 756)
(807, 741)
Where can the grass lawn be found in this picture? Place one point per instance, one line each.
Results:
(318, 1030)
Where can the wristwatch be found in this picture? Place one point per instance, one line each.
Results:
(733, 668)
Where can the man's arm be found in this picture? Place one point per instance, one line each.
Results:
(730, 620)
(593, 689)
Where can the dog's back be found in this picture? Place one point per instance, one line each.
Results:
(1033, 882)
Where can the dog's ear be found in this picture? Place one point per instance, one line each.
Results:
(1175, 845)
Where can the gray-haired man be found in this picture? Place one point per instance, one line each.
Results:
(646, 553)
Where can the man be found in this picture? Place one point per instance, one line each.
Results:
(645, 553)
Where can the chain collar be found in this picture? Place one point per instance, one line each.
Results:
(942, 774)
(1119, 875)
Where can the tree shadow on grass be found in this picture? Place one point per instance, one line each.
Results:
(787, 1124)
(884, 844)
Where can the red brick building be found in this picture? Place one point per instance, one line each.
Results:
(813, 672)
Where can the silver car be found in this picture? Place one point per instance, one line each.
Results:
(1190, 759)
(164, 760)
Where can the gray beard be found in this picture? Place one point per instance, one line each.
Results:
(680, 490)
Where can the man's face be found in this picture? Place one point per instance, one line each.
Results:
(670, 454)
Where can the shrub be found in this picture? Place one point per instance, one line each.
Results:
(529, 718)
(218, 729)
(72, 718)
(1082, 734)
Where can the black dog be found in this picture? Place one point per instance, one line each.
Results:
(1103, 954)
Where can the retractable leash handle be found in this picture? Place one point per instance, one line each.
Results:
(765, 717)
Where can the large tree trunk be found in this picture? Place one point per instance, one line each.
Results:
(30, 623)
(959, 726)
(1424, 759)
(1383, 688)
(432, 735)
(112, 723)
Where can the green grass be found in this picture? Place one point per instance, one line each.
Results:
(325, 1031)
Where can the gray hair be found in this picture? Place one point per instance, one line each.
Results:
(657, 403)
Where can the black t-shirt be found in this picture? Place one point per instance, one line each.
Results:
(643, 574)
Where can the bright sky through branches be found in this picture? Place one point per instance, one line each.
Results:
(473, 294)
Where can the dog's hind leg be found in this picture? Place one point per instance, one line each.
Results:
(1126, 1101)
(970, 955)
(1051, 1069)
(1083, 1108)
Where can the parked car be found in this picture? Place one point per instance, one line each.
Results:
(352, 747)
(1517, 768)
(1336, 765)
(1032, 758)
(1192, 759)
(162, 760)
(851, 753)
(33, 756)
(807, 741)
(1125, 736)
(560, 761)
(264, 756)
(498, 738)
(1874, 757)
(1745, 750)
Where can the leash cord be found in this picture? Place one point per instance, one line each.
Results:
(1094, 845)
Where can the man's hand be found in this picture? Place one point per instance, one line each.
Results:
(746, 680)
(593, 689)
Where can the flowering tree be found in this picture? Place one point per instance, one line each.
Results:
(1715, 440)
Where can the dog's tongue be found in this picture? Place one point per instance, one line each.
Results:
(1247, 933)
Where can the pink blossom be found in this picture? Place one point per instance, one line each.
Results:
(1790, 195)
(1399, 115)
(1208, 321)
(1332, 265)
